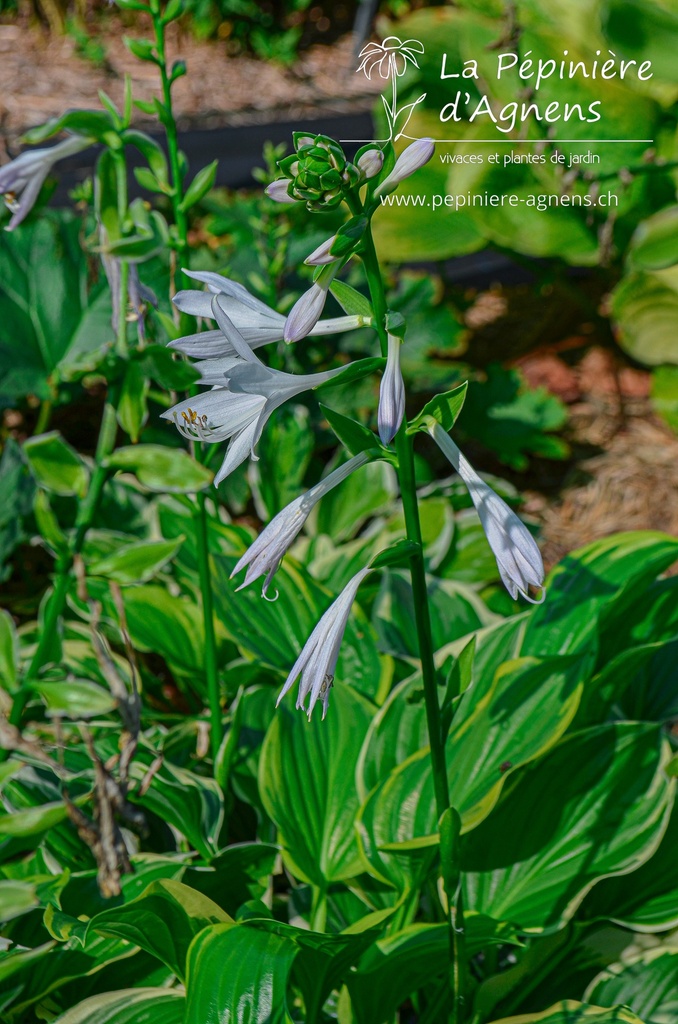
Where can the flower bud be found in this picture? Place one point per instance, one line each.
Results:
(391, 394)
(322, 255)
(409, 161)
(305, 313)
(370, 163)
(278, 190)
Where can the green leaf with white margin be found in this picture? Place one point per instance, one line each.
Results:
(307, 784)
(648, 900)
(55, 465)
(166, 470)
(163, 921)
(239, 974)
(137, 562)
(16, 898)
(401, 963)
(501, 723)
(654, 244)
(644, 310)
(603, 801)
(128, 1006)
(74, 698)
(192, 803)
(443, 409)
(647, 984)
(586, 580)
(167, 625)
(572, 1012)
(9, 651)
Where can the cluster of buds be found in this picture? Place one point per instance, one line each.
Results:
(319, 174)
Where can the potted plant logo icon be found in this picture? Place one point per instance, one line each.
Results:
(390, 59)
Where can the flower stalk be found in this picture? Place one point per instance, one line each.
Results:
(408, 491)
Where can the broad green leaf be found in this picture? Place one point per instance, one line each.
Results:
(586, 580)
(307, 785)
(56, 465)
(32, 820)
(644, 308)
(168, 470)
(16, 898)
(136, 563)
(572, 1012)
(647, 984)
(354, 436)
(398, 965)
(17, 489)
(655, 241)
(603, 804)
(647, 900)
(368, 492)
(237, 874)
(641, 682)
(75, 698)
(163, 921)
(164, 366)
(192, 803)
(639, 615)
(238, 974)
(128, 1006)
(9, 651)
(51, 317)
(167, 625)
(443, 409)
(644, 30)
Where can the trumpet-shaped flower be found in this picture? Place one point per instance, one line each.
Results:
(255, 322)
(22, 179)
(409, 161)
(391, 393)
(272, 544)
(518, 558)
(244, 394)
(318, 660)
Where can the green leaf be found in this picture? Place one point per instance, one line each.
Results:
(354, 371)
(239, 974)
(132, 408)
(56, 466)
(143, 49)
(237, 874)
(655, 241)
(167, 470)
(647, 984)
(94, 124)
(75, 698)
(128, 1006)
(285, 451)
(200, 186)
(442, 409)
(645, 31)
(163, 921)
(190, 802)
(306, 780)
(368, 492)
(136, 563)
(647, 901)
(353, 435)
(607, 807)
(580, 587)
(150, 150)
(165, 367)
(9, 651)
(16, 898)
(32, 820)
(351, 301)
(664, 394)
(644, 310)
(572, 1012)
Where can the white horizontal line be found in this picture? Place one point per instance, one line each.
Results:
(469, 142)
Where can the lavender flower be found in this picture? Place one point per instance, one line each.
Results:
(318, 660)
(409, 161)
(24, 176)
(518, 558)
(267, 552)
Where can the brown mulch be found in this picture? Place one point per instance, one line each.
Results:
(41, 76)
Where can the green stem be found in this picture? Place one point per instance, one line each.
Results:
(213, 691)
(408, 492)
(121, 190)
(44, 416)
(201, 519)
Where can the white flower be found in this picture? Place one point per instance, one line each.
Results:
(318, 660)
(244, 394)
(518, 557)
(255, 322)
(409, 161)
(272, 544)
(322, 255)
(24, 176)
(391, 394)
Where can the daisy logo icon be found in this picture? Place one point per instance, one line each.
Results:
(390, 59)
